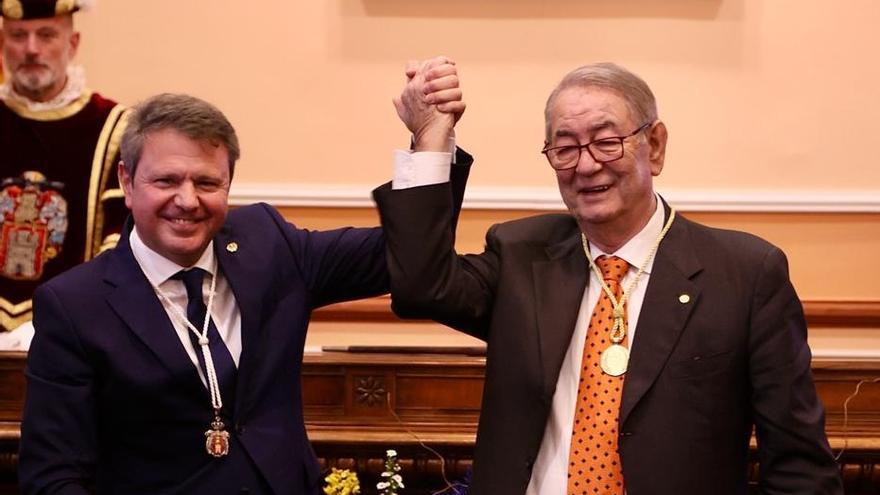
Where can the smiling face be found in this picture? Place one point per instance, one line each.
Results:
(614, 200)
(178, 195)
(37, 53)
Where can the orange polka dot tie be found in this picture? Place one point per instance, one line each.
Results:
(594, 463)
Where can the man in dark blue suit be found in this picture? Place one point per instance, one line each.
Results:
(171, 364)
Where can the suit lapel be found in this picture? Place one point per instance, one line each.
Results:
(232, 254)
(663, 315)
(136, 303)
(559, 286)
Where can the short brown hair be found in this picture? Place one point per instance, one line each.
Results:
(188, 115)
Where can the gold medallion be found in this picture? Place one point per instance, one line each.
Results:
(217, 439)
(614, 360)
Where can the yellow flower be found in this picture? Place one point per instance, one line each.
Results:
(342, 482)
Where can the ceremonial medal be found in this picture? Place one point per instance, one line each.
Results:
(217, 439)
(614, 360)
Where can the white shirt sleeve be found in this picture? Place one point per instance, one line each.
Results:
(423, 168)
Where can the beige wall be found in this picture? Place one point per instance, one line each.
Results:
(809, 240)
(821, 250)
(759, 95)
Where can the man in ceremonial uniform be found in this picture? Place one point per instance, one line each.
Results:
(629, 349)
(60, 203)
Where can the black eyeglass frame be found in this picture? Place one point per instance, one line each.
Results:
(580, 148)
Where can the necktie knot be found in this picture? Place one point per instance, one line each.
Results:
(613, 268)
(192, 279)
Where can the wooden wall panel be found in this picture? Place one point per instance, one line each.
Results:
(357, 405)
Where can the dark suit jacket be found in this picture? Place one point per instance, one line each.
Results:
(114, 401)
(702, 374)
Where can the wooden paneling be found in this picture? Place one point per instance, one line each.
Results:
(853, 314)
(357, 405)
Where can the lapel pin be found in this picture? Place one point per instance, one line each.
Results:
(684, 298)
(232, 247)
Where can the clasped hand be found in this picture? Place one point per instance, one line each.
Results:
(431, 102)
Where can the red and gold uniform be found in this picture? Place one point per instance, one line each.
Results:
(60, 202)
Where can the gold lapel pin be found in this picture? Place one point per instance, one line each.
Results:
(232, 247)
(684, 298)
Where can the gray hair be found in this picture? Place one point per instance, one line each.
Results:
(188, 115)
(632, 88)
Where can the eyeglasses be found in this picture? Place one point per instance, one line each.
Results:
(601, 150)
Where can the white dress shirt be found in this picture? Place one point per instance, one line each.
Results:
(224, 310)
(550, 471)
(422, 168)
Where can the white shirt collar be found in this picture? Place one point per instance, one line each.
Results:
(158, 268)
(637, 249)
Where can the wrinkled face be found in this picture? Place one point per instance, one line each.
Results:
(36, 53)
(616, 195)
(178, 195)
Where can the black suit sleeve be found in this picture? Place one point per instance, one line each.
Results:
(58, 431)
(793, 451)
(428, 278)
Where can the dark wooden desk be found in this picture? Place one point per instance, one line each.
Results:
(359, 405)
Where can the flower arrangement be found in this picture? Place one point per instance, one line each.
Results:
(345, 482)
(342, 482)
(391, 479)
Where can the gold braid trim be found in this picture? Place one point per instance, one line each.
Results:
(10, 323)
(105, 151)
(49, 115)
(12, 9)
(14, 315)
(112, 194)
(64, 7)
(109, 242)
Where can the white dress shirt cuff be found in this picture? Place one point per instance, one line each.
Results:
(423, 168)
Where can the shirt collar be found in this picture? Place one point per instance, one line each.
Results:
(158, 268)
(637, 249)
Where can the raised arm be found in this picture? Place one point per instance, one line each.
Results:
(428, 278)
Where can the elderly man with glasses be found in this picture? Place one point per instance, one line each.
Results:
(630, 350)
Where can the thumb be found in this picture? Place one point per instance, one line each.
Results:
(399, 106)
(412, 66)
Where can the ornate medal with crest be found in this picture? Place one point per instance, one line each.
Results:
(217, 438)
(33, 222)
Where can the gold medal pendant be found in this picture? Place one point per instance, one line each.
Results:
(217, 439)
(614, 360)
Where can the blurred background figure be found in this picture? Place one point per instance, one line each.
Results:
(60, 203)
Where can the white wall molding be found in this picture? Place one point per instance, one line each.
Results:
(526, 198)
(844, 354)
